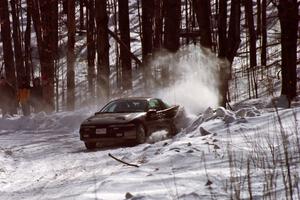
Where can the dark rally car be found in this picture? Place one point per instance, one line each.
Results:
(128, 119)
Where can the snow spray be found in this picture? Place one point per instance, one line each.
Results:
(188, 78)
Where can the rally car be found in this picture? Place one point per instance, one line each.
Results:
(128, 120)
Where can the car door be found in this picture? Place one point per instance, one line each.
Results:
(166, 115)
(155, 117)
(163, 118)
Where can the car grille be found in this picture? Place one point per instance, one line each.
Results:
(110, 131)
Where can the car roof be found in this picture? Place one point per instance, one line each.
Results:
(134, 98)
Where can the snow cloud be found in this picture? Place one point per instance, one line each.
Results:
(188, 78)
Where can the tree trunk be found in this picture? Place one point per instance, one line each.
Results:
(222, 32)
(81, 17)
(65, 6)
(187, 21)
(147, 38)
(147, 24)
(125, 37)
(71, 56)
(264, 33)
(222, 28)
(258, 19)
(118, 68)
(203, 12)
(234, 31)
(157, 24)
(44, 15)
(233, 42)
(28, 64)
(103, 70)
(91, 46)
(172, 14)
(252, 40)
(17, 43)
(251, 29)
(288, 16)
(7, 43)
(54, 29)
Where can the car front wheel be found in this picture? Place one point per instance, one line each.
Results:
(90, 145)
(140, 134)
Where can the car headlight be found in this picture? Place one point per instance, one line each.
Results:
(87, 128)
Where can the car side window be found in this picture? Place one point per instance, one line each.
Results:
(156, 104)
(153, 104)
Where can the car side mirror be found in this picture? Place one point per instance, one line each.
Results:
(151, 113)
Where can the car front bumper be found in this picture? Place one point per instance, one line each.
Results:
(111, 133)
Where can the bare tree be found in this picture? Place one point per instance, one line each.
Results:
(125, 38)
(147, 24)
(91, 46)
(157, 42)
(71, 56)
(27, 43)
(234, 31)
(288, 16)
(7, 43)
(252, 39)
(203, 12)
(222, 28)
(228, 48)
(172, 15)
(17, 42)
(44, 15)
(264, 33)
(103, 70)
(81, 16)
(258, 18)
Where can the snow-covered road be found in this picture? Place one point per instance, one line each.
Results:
(41, 157)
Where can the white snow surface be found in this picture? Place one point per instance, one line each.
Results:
(41, 157)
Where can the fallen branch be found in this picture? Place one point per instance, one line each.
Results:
(121, 161)
(125, 46)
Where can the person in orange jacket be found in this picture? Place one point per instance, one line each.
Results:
(7, 97)
(23, 96)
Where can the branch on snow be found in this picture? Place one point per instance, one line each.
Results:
(121, 161)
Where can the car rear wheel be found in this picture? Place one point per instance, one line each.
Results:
(140, 134)
(90, 145)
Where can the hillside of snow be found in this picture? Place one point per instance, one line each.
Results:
(41, 157)
(251, 152)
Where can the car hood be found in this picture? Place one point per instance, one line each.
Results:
(112, 118)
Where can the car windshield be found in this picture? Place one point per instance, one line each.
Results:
(125, 106)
